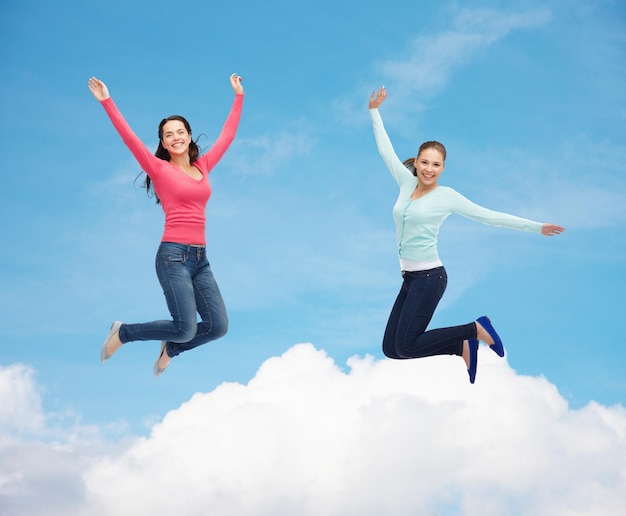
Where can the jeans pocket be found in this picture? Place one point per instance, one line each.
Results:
(173, 256)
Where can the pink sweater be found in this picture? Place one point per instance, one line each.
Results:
(183, 198)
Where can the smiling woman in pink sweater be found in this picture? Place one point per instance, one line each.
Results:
(179, 177)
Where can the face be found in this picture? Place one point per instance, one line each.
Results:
(429, 165)
(176, 138)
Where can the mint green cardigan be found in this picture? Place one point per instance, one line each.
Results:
(418, 221)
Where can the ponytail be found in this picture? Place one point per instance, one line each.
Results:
(410, 164)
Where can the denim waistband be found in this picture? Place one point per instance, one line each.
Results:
(425, 273)
(195, 246)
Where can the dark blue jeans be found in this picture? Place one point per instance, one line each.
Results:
(189, 287)
(406, 335)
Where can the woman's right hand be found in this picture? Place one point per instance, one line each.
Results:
(98, 88)
(377, 98)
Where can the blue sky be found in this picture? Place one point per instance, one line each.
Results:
(528, 97)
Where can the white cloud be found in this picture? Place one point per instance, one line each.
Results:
(431, 59)
(20, 409)
(306, 437)
(42, 455)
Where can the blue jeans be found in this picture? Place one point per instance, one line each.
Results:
(406, 335)
(189, 287)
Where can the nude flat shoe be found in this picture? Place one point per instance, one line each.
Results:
(156, 369)
(113, 332)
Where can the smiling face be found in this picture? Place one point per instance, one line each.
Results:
(428, 166)
(176, 138)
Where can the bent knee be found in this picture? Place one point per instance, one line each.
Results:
(390, 352)
(220, 329)
(401, 350)
(215, 329)
(185, 332)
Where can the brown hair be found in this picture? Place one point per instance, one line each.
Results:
(410, 162)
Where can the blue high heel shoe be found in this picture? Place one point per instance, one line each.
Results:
(497, 346)
(473, 350)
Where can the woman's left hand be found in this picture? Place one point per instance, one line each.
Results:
(235, 82)
(551, 230)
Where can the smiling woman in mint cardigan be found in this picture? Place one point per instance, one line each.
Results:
(420, 209)
(179, 176)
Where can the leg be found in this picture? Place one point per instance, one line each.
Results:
(210, 306)
(174, 270)
(424, 290)
(389, 338)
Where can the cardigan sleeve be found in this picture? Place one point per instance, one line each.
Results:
(399, 172)
(471, 210)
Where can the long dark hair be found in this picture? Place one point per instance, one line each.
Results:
(161, 153)
(410, 162)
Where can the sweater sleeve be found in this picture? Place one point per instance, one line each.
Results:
(467, 208)
(208, 160)
(399, 172)
(147, 160)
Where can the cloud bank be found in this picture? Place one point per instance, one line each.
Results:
(306, 437)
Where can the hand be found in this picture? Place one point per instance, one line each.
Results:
(376, 99)
(98, 88)
(551, 230)
(235, 82)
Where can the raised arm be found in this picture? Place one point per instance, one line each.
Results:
(227, 135)
(399, 172)
(148, 162)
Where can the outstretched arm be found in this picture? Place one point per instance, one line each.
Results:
(400, 173)
(145, 158)
(463, 206)
(209, 160)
